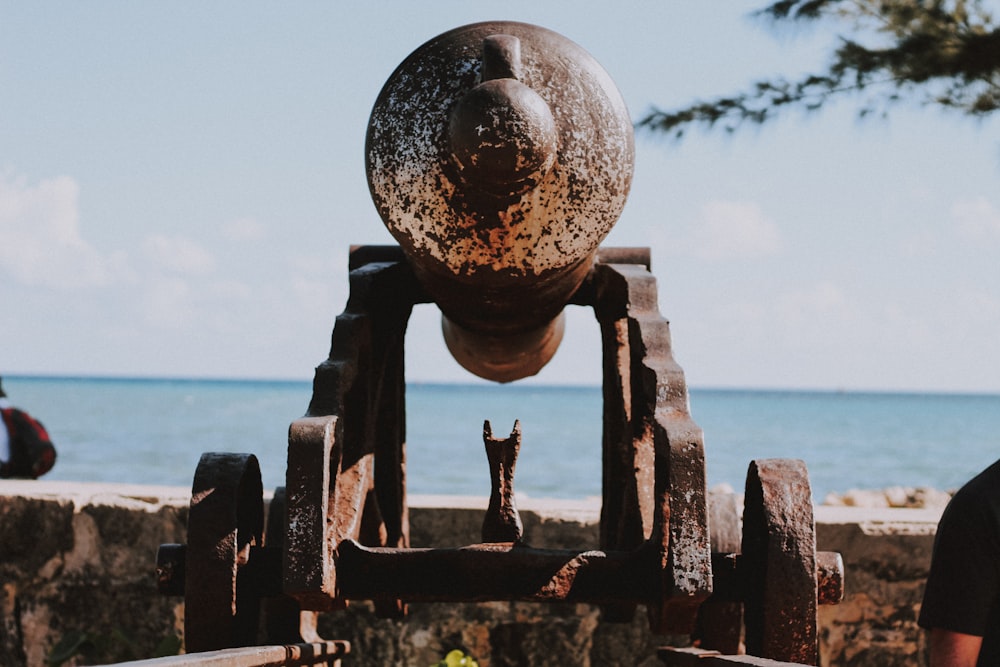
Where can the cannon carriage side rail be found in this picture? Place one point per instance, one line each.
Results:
(327, 653)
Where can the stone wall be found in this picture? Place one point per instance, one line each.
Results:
(887, 554)
(76, 568)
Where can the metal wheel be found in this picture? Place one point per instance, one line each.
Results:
(226, 519)
(779, 553)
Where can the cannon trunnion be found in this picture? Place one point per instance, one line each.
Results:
(499, 155)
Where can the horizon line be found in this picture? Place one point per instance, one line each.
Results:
(473, 382)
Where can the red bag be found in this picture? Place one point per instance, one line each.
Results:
(32, 453)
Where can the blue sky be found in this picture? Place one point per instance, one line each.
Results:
(180, 182)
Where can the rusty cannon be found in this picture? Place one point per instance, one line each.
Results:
(499, 155)
(499, 174)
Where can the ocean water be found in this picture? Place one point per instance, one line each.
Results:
(152, 431)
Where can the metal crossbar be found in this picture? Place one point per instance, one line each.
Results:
(696, 657)
(326, 653)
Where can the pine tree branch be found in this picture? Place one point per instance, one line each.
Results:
(938, 48)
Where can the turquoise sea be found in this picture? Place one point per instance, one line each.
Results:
(152, 431)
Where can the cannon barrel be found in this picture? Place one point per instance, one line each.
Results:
(499, 155)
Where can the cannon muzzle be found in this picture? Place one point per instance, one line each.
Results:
(499, 156)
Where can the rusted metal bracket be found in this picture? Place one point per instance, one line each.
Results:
(346, 457)
(653, 452)
(345, 541)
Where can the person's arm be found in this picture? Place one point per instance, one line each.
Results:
(953, 649)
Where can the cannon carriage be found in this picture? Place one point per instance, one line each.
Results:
(499, 155)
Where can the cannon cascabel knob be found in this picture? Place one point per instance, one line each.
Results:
(502, 134)
(499, 155)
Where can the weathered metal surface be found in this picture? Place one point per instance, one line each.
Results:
(697, 657)
(720, 617)
(730, 573)
(226, 520)
(829, 577)
(779, 556)
(499, 155)
(285, 621)
(658, 477)
(170, 569)
(502, 522)
(292, 655)
(227, 572)
(262, 565)
(308, 562)
(653, 460)
(352, 435)
(497, 571)
(655, 540)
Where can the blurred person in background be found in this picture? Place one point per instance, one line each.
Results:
(961, 608)
(26, 451)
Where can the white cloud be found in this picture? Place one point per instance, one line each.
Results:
(179, 255)
(824, 298)
(167, 304)
(920, 244)
(730, 230)
(40, 240)
(977, 219)
(244, 229)
(231, 291)
(813, 313)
